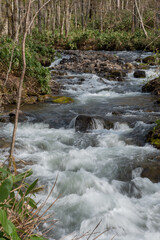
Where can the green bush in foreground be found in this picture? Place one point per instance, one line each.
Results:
(18, 211)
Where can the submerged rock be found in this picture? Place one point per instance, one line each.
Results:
(83, 123)
(152, 171)
(22, 116)
(139, 74)
(152, 86)
(151, 60)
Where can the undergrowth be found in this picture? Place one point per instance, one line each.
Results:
(20, 215)
(34, 52)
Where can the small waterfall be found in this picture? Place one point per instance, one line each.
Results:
(84, 123)
(98, 123)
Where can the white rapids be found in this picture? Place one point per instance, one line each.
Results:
(97, 177)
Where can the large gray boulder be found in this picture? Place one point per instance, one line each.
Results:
(84, 123)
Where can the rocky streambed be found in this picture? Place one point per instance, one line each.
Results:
(97, 144)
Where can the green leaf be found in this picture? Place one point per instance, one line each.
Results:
(1, 234)
(3, 170)
(21, 176)
(5, 188)
(8, 226)
(4, 173)
(32, 203)
(5, 206)
(36, 238)
(31, 187)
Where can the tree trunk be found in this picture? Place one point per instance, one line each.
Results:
(66, 18)
(15, 18)
(11, 157)
(39, 17)
(157, 14)
(82, 15)
(9, 17)
(141, 20)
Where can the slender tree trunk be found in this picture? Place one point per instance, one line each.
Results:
(39, 17)
(82, 15)
(15, 18)
(28, 25)
(157, 14)
(66, 18)
(141, 20)
(11, 157)
(9, 17)
(101, 16)
(75, 15)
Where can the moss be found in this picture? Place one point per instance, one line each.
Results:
(143, 66)
(156, 142)
(154, 135)
(149, 60)
(62, 99)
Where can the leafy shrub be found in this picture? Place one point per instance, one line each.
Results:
(34, 68)
(18, 210)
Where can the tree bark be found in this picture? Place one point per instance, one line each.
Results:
(141, 20)
(15, 18)
(11, 157)
(39, 17)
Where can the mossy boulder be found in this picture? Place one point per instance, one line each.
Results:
(84, 123)
(151, 60)
(62, 99)
(116, 74)
(154, 135)
(152, 86)
(21, 118)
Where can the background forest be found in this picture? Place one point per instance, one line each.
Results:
(74, 24)
(30, 31)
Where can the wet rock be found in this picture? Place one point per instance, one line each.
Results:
(62, 99)
(149, 60)
(3, 143)
(151, 171)
(42, 98)
(84, 123)
(3, 119)
(22, 116)
(143, 66)
(139, 74)
(116, 113)
(98, 63)
(152, 86)
(129, 66)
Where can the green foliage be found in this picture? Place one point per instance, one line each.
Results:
(34, 52)
(15, 213)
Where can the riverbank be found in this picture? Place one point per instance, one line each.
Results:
(40, 53)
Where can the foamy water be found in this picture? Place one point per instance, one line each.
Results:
(98, 171)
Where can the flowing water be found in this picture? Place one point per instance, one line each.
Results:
(98, 171)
